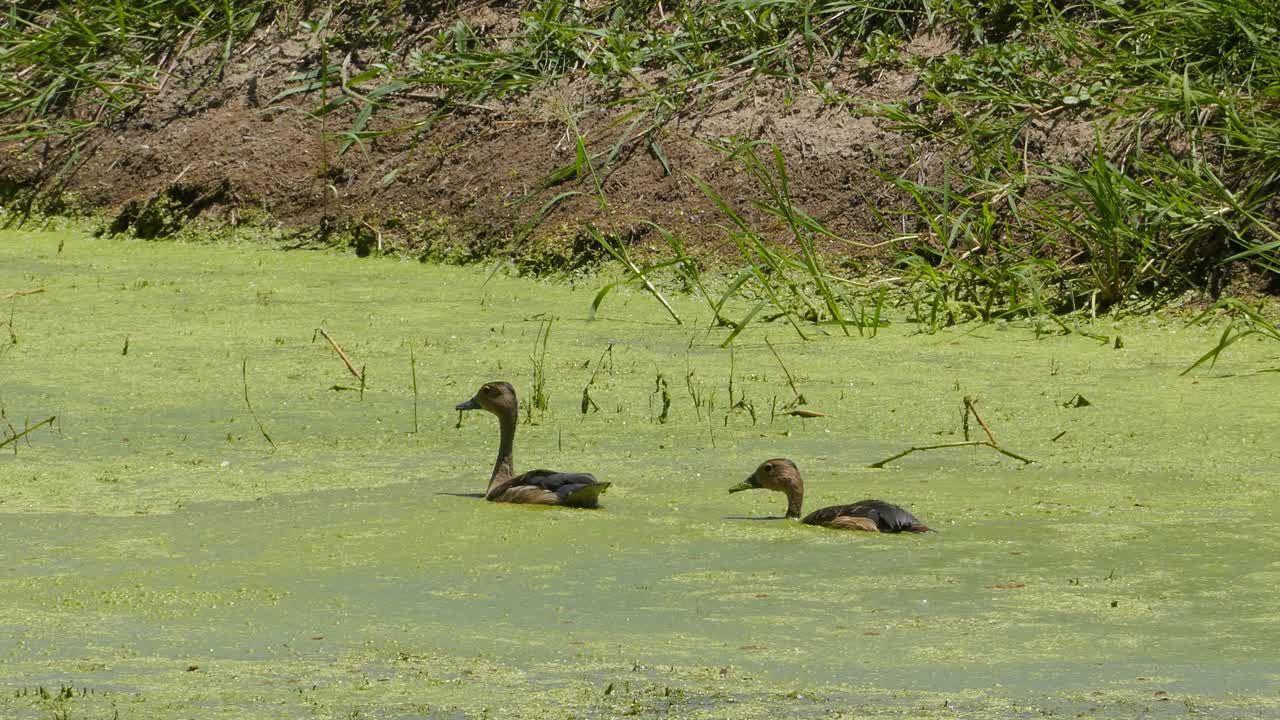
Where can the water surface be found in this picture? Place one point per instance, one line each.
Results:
(157, 557)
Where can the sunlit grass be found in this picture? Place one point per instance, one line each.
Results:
(1182, 176)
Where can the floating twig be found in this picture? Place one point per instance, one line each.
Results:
(970, 409)
(802, 412)
(33, 428)
(356, 374)
(22, 293)
(244, 379)
(970, 443)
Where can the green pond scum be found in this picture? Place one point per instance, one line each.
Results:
(159, 558)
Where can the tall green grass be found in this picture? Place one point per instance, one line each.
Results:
(1174, 175)
(1183, 176)
(67, 66)
(1242, 321)
(1180, 96)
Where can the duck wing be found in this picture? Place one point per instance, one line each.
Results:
(887, 516)
(548, 487)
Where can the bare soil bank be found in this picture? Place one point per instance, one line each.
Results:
(216, 145)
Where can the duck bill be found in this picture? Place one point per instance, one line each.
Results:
(748, 484)
(471, 404)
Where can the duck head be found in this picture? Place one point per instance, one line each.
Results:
(780, 475)
(498, 398)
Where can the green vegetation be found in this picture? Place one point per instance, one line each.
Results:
(1242, 321)
(1063, 159)
(162, 561)
(67, 66)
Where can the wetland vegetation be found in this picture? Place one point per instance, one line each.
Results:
(160, 557)
(1004, 263)
(988, 158)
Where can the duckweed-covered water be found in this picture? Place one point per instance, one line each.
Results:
(158, 559)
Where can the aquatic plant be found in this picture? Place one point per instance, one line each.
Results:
(1242, 321)
(790, 276)
(413, 379)
(535, 403)
(636, 274)
(244, 381)
(588, 403)
(14, 434)
(454, 604)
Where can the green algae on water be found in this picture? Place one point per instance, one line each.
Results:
(350, 574)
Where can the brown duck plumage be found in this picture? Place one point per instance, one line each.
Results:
(539, 487)
(782, 475)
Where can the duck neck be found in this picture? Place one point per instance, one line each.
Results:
(795, 500)
(503, 466)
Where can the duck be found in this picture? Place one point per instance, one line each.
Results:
(536, 487)
(782, 475)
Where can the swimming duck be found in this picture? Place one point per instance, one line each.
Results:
(538, 487)
(782, 475)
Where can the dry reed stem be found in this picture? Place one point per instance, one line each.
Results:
(970, 443)
(354, 373)
(22, 293)
(37, 426)
(969, 408)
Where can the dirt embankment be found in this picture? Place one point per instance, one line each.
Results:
(473, 183)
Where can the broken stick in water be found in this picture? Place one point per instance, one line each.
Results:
(970, 443)
(21, 293)
(971, 409)
(354, 373)
(33, 428)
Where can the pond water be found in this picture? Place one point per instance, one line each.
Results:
(158, 558)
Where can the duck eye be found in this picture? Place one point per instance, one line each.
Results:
(768, 467)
